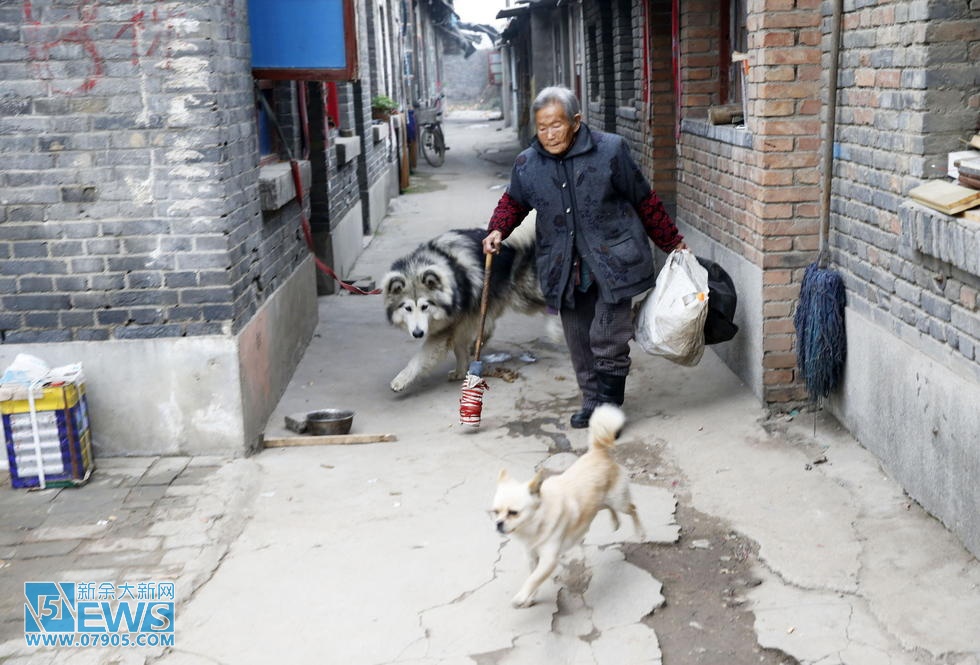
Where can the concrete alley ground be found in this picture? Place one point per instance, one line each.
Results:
(770, 540)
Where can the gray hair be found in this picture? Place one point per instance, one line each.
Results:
(557, 94)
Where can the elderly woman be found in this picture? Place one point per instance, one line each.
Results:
(595, 211)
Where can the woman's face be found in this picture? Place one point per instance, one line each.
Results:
(555, 131)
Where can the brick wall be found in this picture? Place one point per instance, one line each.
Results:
(614, 98)
(130, 205)
(349, 182)
(319, 158)
(660, 154)
(708, 196)
(343, 187)
(376, 156)
(908, 95)
(600, 54)
(627, 55)
(468, 81)
(756, 191)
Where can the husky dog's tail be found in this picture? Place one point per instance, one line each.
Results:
(604, 426)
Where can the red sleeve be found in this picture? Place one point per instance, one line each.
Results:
(658, 224)
(507, 215)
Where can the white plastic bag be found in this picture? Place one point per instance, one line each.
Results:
(670, 322)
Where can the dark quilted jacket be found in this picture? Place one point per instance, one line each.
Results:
(597, 192)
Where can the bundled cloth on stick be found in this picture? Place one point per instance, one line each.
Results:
(820, 338)
(471, 397)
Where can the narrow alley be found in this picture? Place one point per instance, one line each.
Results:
(769, 540)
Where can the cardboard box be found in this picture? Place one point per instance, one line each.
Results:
(48, 439)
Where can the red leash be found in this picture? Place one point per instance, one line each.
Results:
(298, 185)
(308, 234)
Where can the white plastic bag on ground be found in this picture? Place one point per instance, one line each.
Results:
(670, 322)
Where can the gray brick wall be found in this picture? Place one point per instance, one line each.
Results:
(908, 95)
(376, 155)
(130, 201)
(319, 157)
(629, 67)
(615, 60)
(599, 21)
(343, 187)
(467, 81)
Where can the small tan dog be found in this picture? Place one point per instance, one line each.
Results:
(552, 515)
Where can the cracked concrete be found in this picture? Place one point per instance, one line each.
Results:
(394, 540)
(854, 573)
(916, 595)
(595, 594)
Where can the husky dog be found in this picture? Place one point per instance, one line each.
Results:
(434, 294)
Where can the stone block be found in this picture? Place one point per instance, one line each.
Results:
(379, 132)
(347, 148)
(276, 186)
(296, 422)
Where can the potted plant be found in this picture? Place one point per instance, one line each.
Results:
(382, 106)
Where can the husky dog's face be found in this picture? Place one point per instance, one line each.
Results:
(416, 302)
(515, 502)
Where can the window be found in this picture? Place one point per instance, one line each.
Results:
(733, 39)
(624, 52)
(268, 137)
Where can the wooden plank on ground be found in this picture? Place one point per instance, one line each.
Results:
(327, 440)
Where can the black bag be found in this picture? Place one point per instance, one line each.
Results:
(719, 326)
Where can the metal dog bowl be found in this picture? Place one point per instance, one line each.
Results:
(329, 421)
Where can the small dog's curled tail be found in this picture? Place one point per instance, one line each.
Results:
(604, 426)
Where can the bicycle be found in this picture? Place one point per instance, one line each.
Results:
(431, 139)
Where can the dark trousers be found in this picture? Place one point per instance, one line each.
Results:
(598, 336)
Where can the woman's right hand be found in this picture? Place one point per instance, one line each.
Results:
(491, 244)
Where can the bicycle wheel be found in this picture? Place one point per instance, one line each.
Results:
(439, 142)
(426, 143)
(429, 142)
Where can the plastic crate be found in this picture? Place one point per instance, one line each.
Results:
(61, 414)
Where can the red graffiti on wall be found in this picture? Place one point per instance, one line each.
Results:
(158, 27)
(39, 49)
(148, 32)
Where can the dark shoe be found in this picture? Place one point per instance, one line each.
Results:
(580, 419)
(612, 388)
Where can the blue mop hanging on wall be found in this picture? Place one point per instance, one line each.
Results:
(821, 342)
